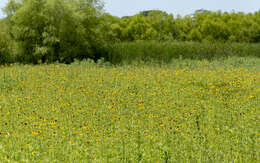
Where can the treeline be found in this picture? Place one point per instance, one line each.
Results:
(40, 31)
(202, 25)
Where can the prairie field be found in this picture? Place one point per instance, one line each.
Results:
(184, 111)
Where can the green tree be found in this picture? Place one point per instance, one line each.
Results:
(5, 42)
(54, 30)
(162, 23)
(184, 25)
(138, 29)
(111, 28)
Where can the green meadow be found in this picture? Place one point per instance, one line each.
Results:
(183, 111)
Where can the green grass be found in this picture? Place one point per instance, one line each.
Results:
(184, 111)
(164, 52)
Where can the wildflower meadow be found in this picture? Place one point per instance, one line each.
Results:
(188, 111)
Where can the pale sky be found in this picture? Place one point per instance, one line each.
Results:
(130, 7)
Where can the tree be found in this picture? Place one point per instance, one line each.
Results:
(5, 41)
(111, 28)
(138, 28)
(184, 25)
(162, 23)
(54, 30)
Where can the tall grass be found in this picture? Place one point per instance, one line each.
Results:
(156, 52)
(164, 52)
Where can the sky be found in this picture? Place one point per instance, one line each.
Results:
(182, 7)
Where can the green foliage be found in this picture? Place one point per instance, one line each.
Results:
(166, 51)
(53, 30)
(45, 31)
(202, 25)
(110, 28)
(152, 25)
(5, 42)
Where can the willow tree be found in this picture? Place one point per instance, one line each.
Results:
(54, 30)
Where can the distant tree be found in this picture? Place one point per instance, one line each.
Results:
(201, 11)
(184, 25)
(149, 12)
(147, 25)
(126, 17)
(137, 29)
(162, 23)
(111, 29)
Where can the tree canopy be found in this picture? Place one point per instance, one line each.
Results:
(202, 25)
(53, 30)
(63, 30)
